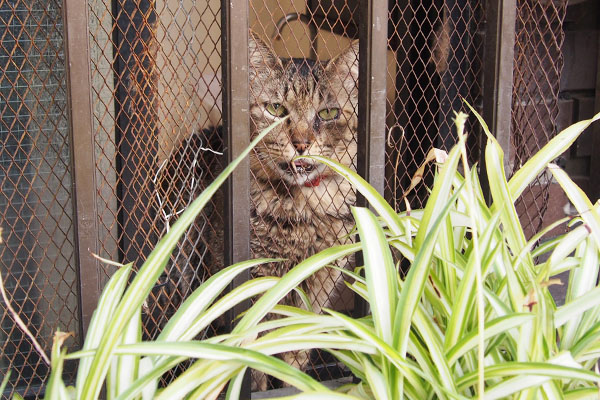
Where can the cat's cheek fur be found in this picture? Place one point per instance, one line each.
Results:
(263, 169)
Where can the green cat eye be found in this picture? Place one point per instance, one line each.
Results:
(329, 113)
(276, 109)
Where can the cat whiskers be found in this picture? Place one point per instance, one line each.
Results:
(269, 155)
(265, 157)
(274, 147)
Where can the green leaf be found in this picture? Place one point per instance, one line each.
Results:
(148, 374)
(554, 148)
(5, 381)
(149, 272)
(465, 295)
(533, 377)
(375, 200)
(581, 202)
(440, 194)
(245, 291)
(228, 354)
(127, 365)
(524, 375)
(290, 280)
(434, 343)
(103, 314)
(55, 387)
(503, 200)
(417, 275)
(538, 162)
(577, 307)
(580, 284)
(380, 272)
(318, 396)
(582, 394)
(184, 323)
(563, 249)
(408, 370)
(492, 328)
(376, 380)
(587, 339)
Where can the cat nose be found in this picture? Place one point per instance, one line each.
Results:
(300, 145)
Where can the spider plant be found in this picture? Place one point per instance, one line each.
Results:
(472, 318)
(115, 359)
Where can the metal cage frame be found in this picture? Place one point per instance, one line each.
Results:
(133, 26)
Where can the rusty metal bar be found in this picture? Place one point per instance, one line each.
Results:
(82, 155)
(372, 99)
(236, 128)
(498, 62)
(372, 103)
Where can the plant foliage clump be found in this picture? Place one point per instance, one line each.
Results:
(473, 318)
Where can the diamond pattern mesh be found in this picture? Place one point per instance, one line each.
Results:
(538, 64)
(438, 51)
(37, 253)
(156, 93)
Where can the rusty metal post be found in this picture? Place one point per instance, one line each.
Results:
(82, 155)
(236, 128)
(498, 63)
(372, 99)
(372, 102)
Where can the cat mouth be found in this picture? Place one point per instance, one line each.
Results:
(298, 167)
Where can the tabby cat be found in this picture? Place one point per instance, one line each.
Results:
(298, 207)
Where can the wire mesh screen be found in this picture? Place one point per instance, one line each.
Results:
(437, 52)
(156, 96)
(537, 68)
(37, 253)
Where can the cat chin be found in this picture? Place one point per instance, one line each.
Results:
(299, 179)
(302, 179)
(296, 179)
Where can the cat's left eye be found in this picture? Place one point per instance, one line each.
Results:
(276, 109)
(329, 113)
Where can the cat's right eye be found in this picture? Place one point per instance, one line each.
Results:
(328, 114)
(276, 109)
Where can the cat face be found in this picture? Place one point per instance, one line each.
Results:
(320, 101)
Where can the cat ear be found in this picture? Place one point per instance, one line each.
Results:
(345, 67)
(260, 54)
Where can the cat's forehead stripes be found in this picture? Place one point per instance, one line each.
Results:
(303, 67)
(301, 78)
